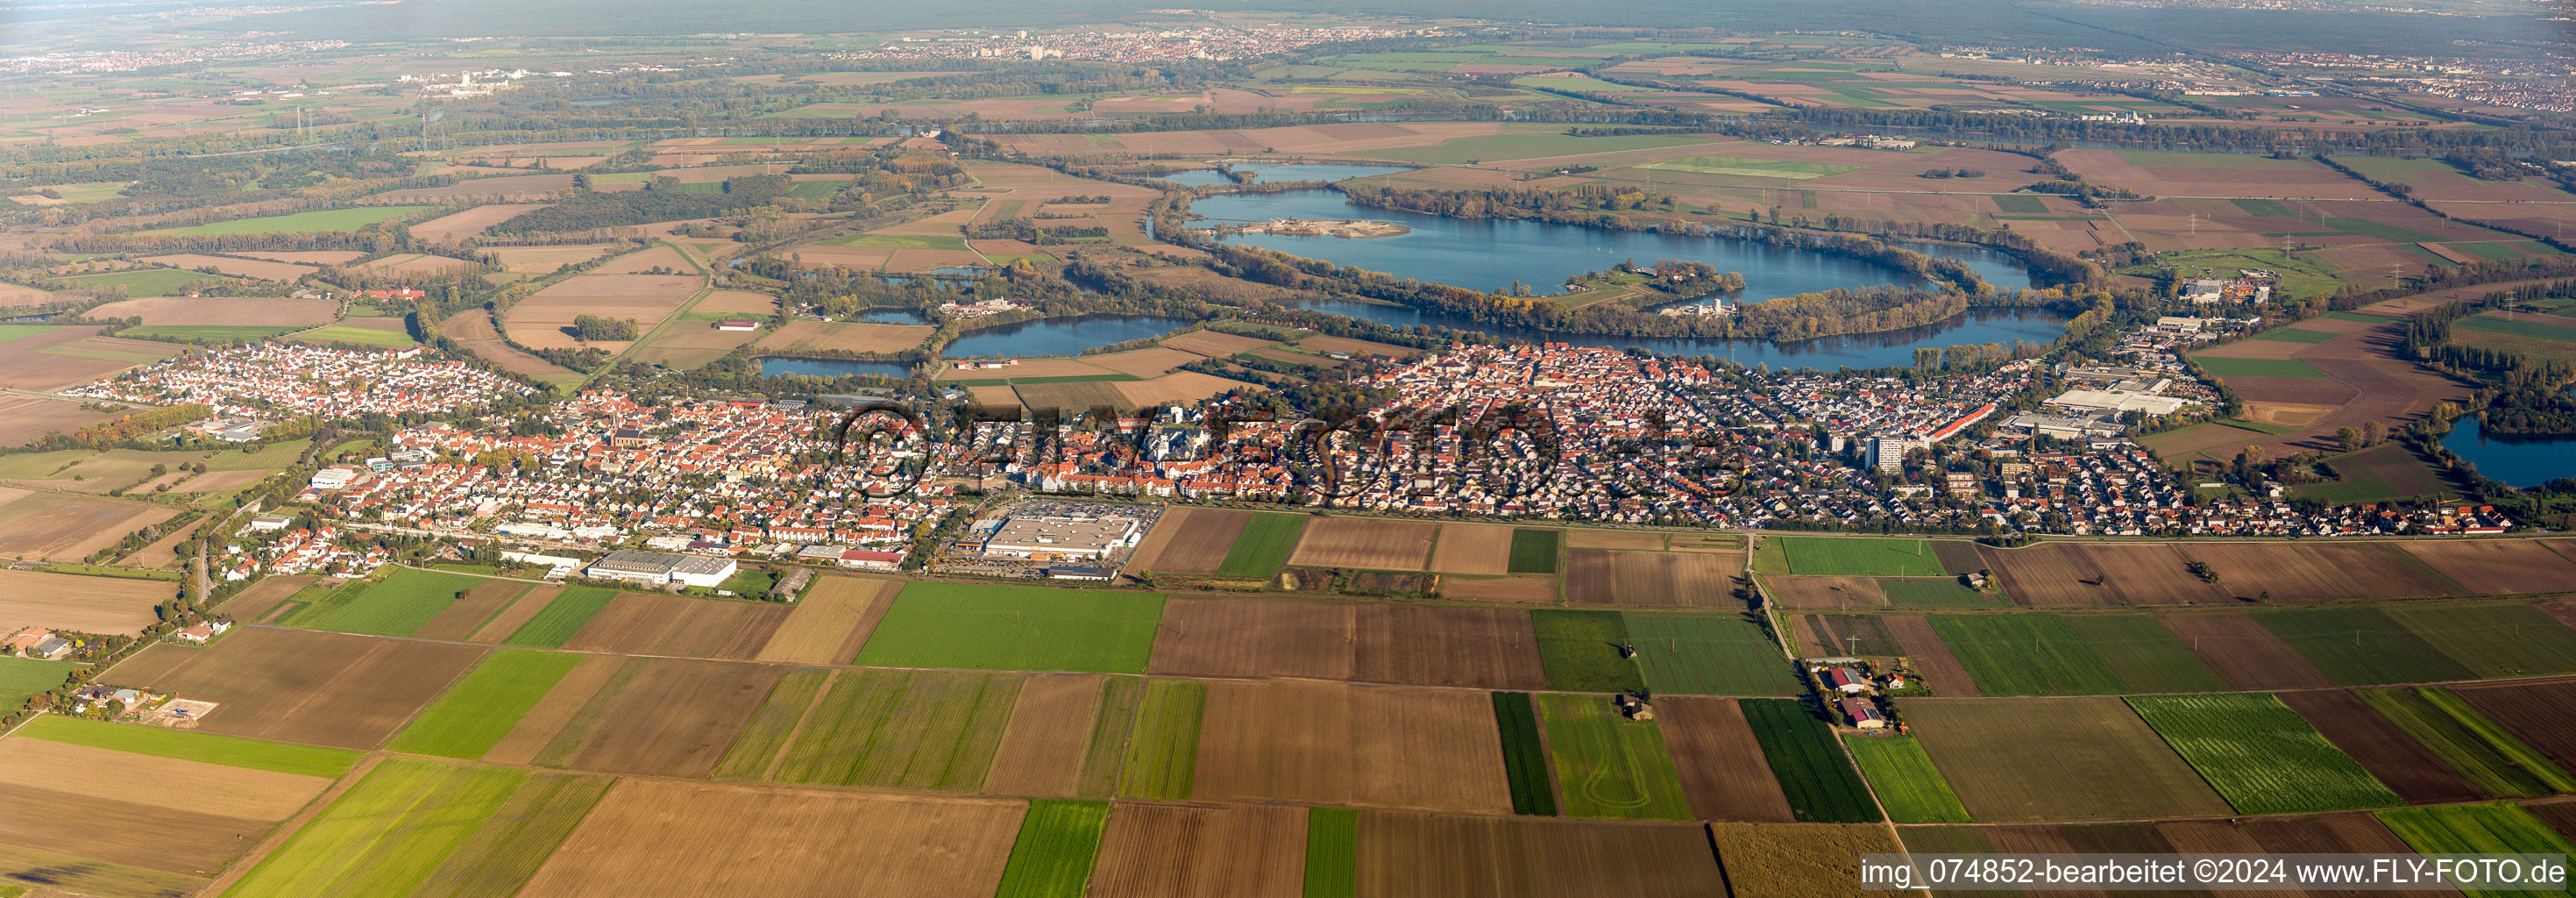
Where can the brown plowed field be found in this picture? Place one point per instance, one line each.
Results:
(2409, 770)
(738, 302)
(2020, 759)
(123, 832)
(2497, 566)
(15, 295)
(1485, 648)
(28, 366)
(300, 686)
(2542, 713)
(146, 780)
(1043, 749)
(539, 726)
(662, 257)
(1931, 656)
(471, 222)
(1176, 388)
(56, 527)
(2244, 652)
(676, 718)
(1825, 593)
(2316, 572)
(1651, 579)
(1433, 856)
(1371, 543)
(637, 623)
(1473, 549)
(1191, 540)
(255, 603)
(544, 321)
(1522, 590)
(24, 418)
(249, 268)
(517, 615)
(1217, 344)
(690, 345)
(474, 330)
(2560, 815)
(2083, 575)
(1721, 764)
(831, 621)
(1199, 851)
(1324, 742)
(652, 837)
(847, 336)
(2348, 833)
(2561, 610)
(85, 604)
(1584, 538)
(461, 620)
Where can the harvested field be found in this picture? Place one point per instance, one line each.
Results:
(1191, 540)
(738, 302)
(657, 624)
(832, 620)
(2318, 572)
(1519, 590)
(1651, 579)
(1819, 861)
(1142, 362)
(256, 602)
(545, 259)
(662, 837)
(144, 780)
(123, 832)
(457, 226)
(2078, 575)
(1049, 738)
(1176, 388)
(82, 604)
(689, 345)
(300, 686)
(1586, 538)
(1712, 749)
(544, 321)
(470, 613)
(1321, 742)
(2537, 713)
(57, 527)
(474, 329)
(1486, 648)
(1473, 549)
(1931, 656)
(249, 268)
(424, 264)
(16, 295)
(2028, 759)
(2244, 652)
(1366, 543)
(2415, 774)
(667, 717)
(843, 336)
(1216, 344)
(1191, 851)
(662, 257)
(24, 418)
(2496, 566)
(1433, 856)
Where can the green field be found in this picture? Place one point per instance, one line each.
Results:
(2025, 654)
(320, 220)
(2362, 646)
(1754, 168)
(900, 729)
(2469, 741)
(21, 678)
(2145, 655)
(481, 708)
(140, 282)
(2260, 755)
(758, 746)
(403, 601)
(438, 828)
(2380, 229)
(1936, 592)
(1113, 720)
(229, 751)
(1808, 762)
(2266, 208)
(10, 332)
(1163, 753)
(1912, 790)
(2476, 829)
(364, 336)
(1611, 766)
(1709, 654)
(1524, 755)
(1580, 650)
(561, 618)
(816, 190)
(2223, 367)
(1834, 556)
(2360, 317)
(1265, 544)
(2021, 204)
(1332, 853)
(2520, 327)
(901, 241)
(1053, 855)
(205, 332)
(1534, 551)
(1528, 145)
(2500, 640)
(995, 627)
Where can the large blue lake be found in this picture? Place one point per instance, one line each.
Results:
(1058, 336)
(2515, 460)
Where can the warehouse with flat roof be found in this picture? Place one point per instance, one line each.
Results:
(1027, 536)
(660, 568)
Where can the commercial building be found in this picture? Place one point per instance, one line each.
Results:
(658, 569)
(1084, 537)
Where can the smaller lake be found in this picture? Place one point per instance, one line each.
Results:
(1058, 336)
(833, 368)
(2516, 460)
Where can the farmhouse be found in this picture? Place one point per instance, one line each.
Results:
(1843, 680)
(1863, 713)
(1086, 537)
(659, 569)
(737, 326)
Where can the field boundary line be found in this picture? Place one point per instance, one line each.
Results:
(288, 828)
(830, 679)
